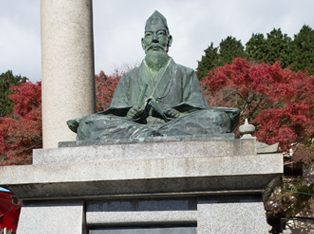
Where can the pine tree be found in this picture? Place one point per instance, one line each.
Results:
(303, 50)
(278, 48)
(229, 49)
(256, 48)
(8, 80)
(209, 61)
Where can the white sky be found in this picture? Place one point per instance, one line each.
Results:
(119, 26)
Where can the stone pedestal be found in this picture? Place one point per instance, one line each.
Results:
(213, 185)
(67, 66)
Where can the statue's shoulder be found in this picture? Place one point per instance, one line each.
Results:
(184, 70)
(129, 77)
(133, 71)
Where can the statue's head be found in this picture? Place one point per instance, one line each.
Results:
(157, 36)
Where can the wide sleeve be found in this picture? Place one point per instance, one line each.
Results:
(120, 102)
(120, 97)
(192, 94)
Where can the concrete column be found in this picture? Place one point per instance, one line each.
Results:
(68, 89)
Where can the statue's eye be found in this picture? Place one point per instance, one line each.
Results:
(148, 34)
(161, 33)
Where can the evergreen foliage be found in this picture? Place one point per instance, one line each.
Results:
(209, 61)
(256, 47)
(7, 80)
(278, 48)
(229, 49)
(275, 48)
(297, 54)
(303, 50)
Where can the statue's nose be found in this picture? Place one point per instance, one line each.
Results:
(155, 38)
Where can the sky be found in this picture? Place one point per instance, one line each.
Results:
(119, 27)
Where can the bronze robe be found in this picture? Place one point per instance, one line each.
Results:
(178, 87)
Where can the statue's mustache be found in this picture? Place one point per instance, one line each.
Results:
(155, 45)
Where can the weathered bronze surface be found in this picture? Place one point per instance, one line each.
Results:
(158, 98)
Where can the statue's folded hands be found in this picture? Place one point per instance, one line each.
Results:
(134, 114)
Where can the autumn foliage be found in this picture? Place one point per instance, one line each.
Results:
(105, 87)
(21, 132)
(279, 102)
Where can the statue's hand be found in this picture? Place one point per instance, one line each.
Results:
(134, 113)
(171, 113)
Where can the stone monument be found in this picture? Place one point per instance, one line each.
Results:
(159, 160)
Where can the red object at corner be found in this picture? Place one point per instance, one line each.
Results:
(10, 209)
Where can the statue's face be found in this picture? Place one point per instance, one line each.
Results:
(156, 38)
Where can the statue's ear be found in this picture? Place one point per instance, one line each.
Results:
(169, 40)
(143, 44)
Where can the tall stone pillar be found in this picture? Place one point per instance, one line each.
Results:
(68, 89)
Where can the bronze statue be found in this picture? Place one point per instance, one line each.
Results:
(158, 98)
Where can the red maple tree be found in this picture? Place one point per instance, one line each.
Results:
(279, 102)
(105, 86)
(21, 132)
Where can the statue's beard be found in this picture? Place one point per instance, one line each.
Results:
(156, 59)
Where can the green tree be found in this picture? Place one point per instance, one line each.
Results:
(297, 54)
(208, 62)
(7, 80)
(278, 48)
(303, 50)
(229, 49)
(256, 48)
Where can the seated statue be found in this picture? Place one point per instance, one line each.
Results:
(158, 98)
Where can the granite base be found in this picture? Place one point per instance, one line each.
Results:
(216, 186)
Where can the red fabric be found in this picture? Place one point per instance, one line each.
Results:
(10, 209)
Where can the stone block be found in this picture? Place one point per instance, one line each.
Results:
(189, 147)
(146, 230)
(51, 217)
(201, 137)
(141, 212)
(140, 218)
(231, 215)
(248, 146)
(141, 205)
(235, 174)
